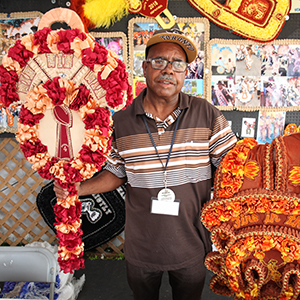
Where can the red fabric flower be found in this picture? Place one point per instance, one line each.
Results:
(44, 172)
(70, 236)
(40, 38)
(65, 38)
(70, 240)
(82, 98)
(55, 92)
(31, 149)
(72, 174)
(8, 90)
(69, 186)
(101, 118)
(28, 118)
(97, 56)
(97, 158)
(19, 53)
(115, 85)
(73, 263)
(70, 215)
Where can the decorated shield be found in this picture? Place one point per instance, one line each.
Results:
(68, 85)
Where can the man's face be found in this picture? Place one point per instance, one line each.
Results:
(164, 83)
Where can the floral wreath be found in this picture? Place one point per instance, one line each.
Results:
(111, 75)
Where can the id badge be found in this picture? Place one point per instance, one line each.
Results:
(165, 203)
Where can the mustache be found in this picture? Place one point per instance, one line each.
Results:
(167, 77)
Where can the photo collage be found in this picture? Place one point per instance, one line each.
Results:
(193, 28)
(251, 75)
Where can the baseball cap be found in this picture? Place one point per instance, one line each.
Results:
(174, 36)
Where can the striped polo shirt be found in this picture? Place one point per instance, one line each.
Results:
(203, 137)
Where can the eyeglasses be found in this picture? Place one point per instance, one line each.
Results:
(161, 63)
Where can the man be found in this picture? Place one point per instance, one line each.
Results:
(163, 144)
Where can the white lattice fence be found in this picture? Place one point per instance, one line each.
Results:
(20, 220)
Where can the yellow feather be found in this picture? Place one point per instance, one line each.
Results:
(104, 13)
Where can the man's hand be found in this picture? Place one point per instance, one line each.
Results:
(63, 193)
(101, 183)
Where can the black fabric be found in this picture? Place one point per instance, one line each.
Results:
(103, 215)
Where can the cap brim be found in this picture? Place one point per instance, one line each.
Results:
(186, 44)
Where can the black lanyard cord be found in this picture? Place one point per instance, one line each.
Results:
(172, 143)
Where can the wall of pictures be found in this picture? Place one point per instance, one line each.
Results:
(254, 76)
(141, 29)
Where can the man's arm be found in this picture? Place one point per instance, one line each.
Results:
(103, 182)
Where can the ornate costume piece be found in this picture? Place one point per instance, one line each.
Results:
(67, 84)
(254, 219)
(258, 20)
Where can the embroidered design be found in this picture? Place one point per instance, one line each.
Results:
(251, 169)
(294, 175)
(258, 20)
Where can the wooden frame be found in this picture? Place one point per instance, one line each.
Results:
(140, 30)
(257, 76)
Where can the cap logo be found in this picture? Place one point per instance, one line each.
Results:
(186, 43)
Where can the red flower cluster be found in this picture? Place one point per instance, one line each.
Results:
(8, 90)
(40, 38)
(82, 98)
(20, 54)
(55, 92)
(115, 86)
(98, 56)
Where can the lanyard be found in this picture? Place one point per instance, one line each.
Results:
(171, 147)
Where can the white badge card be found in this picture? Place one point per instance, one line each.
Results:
(170, 208)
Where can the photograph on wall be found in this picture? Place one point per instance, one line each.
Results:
(270, 125)
(14, 27)
(222, 91)
(9, 118)
(262, 75)
(141, 29)
(248, 60)
(274, 60)
(248, 127)
(114, 41)
(293, 68)
(223, 59)
(247, 90)
(278, 92)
